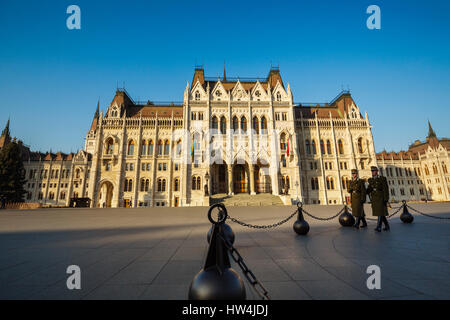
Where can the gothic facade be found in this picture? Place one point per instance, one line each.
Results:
(228, 136)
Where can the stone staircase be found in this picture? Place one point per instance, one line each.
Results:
(244, 199)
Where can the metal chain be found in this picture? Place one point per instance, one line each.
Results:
(323, 219)
(425, 214)
(389, 216)
(263, 226)
(249, 275)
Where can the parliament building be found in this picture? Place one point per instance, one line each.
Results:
(230, 136)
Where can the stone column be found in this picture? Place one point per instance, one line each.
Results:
(230, 180)
(252, 179)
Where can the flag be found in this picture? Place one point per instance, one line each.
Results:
(192, 149)
(287, 149)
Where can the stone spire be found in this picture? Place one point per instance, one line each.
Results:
(5, 138)
(431, 132)
(98, 107)
(224, 73)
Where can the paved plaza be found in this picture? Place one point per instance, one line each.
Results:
(153, 253)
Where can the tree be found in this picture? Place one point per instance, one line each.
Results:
(12, 173)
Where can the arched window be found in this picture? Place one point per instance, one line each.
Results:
(176, 184)
(214, 123)
(322, 147)
(244, 124)
(345, 183)
(314, 149)
(150, 148)
(131, 148)
(147, 182)
(144, 148)
(330, 183)
(435, 168)
(444, 167)
(142, 184)
(329, 151)
(199, 183)
(255, 124)
(128, 185)
(197, 96)
(77, 173)
(223, 125)
(313, 185)
(308, 147)
(160, 147)
(340, 146)
(263, 125)
(194, 183)
(278, 96)
(166, 147)
(109, 146)
(427, 172)
(62, 195)
(360, 145)
(161, 185)
(283, 141)
(178, 149)
(235, 124)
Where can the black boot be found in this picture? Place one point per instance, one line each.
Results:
(356, 225)
(386, 224)
(378, 228)
(364, 222)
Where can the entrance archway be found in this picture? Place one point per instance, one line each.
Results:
(240, 178)
(105, 195)
(263, 181)
(219, 176)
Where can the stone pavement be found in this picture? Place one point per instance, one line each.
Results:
(153, 253)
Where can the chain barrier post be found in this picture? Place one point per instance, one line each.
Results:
(406, 217)
(346, 219)
(227, 231)
(217, 280)
(300, 226)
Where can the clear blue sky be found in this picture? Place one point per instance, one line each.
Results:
(52, 77)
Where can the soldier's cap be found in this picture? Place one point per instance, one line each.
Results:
(354, 171)
(373, 168)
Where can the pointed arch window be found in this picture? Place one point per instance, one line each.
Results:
(223, 125)
(255, 124)
(144, 148)
(360, 145)
(322, 147)
(160, 147)
(283, 141)
(278, 96)
(109, 146)
(166, 147)
(197, 96)
(263, 125)
(150, 148)
(235, 124)
(214, 123)
(340, 146)
(329, 150)
(308, 147)
(244, 124)
(130, 148)
(314, 149)
(176, 184)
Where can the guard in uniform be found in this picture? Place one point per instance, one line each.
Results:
(357, 191)
(378, 191)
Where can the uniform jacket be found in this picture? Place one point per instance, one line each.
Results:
(378, 191)
(357, 190)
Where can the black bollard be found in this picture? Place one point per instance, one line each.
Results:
(301, 226)
(217, 280)
(346, 219)
(227, 231)
(406, 217)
